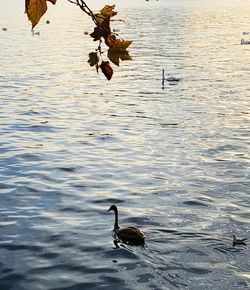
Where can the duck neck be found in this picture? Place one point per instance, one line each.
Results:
(116, 226)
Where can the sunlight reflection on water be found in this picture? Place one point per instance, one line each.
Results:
(175, 161)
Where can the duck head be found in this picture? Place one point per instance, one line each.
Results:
(113, 207)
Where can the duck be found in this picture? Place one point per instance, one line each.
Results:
(245, 41)
(129, 235)
(171, 80)
(35, 32)
(239, 241)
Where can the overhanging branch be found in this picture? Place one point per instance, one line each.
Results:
(84, 7)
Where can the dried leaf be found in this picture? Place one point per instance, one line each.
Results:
(121, 44)
(118, 49)
(106, 69)
(102, 30)
(111, 40)
(108, 10)
(116, 55)
(35, 9)
(100, 18)
(93, 59)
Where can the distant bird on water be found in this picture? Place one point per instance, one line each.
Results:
(171, 80)
(245, 41)
(128, 235)
(239, 241)
(35, 32)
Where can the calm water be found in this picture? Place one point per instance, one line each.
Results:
(175, 161)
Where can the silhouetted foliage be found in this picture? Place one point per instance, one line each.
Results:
(116, 46)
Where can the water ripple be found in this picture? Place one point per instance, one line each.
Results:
(175, 159)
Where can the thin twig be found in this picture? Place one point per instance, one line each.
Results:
(84, 7)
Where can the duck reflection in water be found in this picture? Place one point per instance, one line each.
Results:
(127, 235)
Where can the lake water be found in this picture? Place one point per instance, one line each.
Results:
(175, 160)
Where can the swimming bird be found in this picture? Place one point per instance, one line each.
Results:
(35, 32)
(239, 241)
(245, 41)
(128, 235)
(173, 79)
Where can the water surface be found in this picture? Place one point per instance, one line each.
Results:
(174, 160)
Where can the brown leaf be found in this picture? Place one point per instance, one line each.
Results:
(110, 40)
(35, 9)
(102, 30)
(103, 22)
(106, 13)
(93, 59)
(116, 55)
(118, 49)
(97, 33)
(106, 69)
(121, 44)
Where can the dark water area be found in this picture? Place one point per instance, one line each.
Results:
(175, 160)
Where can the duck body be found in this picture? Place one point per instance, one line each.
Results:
(173, 79)
(245, 41)
(35, 32)
(129, 235)
(239, 241)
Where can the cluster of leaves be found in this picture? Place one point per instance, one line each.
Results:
(116, 46)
